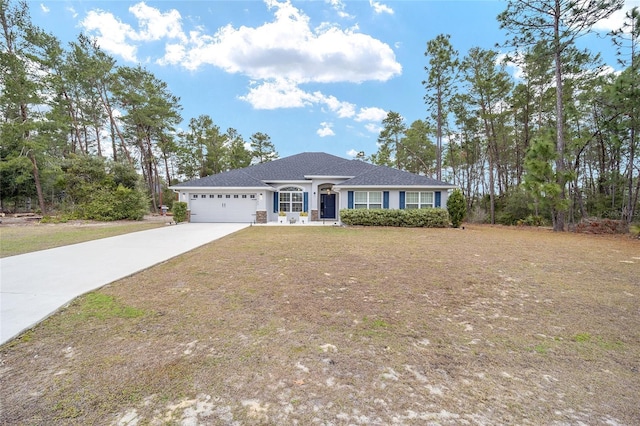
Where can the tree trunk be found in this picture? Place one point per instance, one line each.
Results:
(114, 126)
(36, 178)
(558, 208)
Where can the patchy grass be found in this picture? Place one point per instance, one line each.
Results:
(305, 325)
(20, 239)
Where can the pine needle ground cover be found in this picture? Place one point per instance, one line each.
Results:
(314, 325)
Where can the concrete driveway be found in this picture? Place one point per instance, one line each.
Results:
(35, 285)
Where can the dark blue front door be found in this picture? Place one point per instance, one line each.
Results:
(327, 206)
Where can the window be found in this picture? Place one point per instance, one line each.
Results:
(203, 196)
(211, 196)
(194, 196)
(418, 200)
(228, 196)
(219, 195)
(235, 195)
(367, 200)
(252, 196)
(291, 199)
(244, 195)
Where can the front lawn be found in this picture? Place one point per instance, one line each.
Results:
(320, 325)
(25, 238)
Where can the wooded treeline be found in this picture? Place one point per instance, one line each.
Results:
(558, 143)
(73, 123)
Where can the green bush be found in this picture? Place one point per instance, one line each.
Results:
(119, 204)
(410, 218)
(457, 208)
(531, 220)
(179, 211)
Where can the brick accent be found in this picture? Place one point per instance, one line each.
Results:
(261, 216)
(188, 216)
(314, 215)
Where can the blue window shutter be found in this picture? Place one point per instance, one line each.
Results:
(275, 202)
(438, 198)
(385, 200)
(402, 199)
(350, 199)
(305, 205)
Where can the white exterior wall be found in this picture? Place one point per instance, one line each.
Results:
(394, 195)
(306, 187)
(264, 197)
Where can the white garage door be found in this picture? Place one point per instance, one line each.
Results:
(230, 208)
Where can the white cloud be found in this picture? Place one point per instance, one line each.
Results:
(155, 25)
(513, 62)
(373, 128)
(173, 53)
(111, 34)
(119, 38)
(325, 130)
(341, 108)
(338, 6)
(371, 114)
(289, 48)
(353, 153)
(380, 8)
(44, 8)
(278, 93)
(278, 56)
(617, 19)
(73, 12)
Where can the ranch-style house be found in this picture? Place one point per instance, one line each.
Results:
(310, 186)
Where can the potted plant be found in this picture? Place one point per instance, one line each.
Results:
(304, 217)
(282, 217)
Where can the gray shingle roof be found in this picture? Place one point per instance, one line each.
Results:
(296, 167)
(345, 168)
(387, 176)
(233, 178)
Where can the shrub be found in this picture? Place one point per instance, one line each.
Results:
(179, 211)
(456, 207)
(119, 204)
(411, 218)
(531, 220)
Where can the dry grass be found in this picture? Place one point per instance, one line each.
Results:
(313, 325)
(22, 237)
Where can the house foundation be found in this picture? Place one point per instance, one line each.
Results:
(314, 215)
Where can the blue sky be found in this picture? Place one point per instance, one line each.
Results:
(314, 75)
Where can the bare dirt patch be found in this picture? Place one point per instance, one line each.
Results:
(313, 325)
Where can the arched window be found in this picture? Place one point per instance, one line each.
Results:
(291, 199)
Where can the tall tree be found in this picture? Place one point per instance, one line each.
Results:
(150, 112)
(418, 152)
(262, 149)
(441, 73)
(23, 50)
(389, 146)
(488, 87)
(466, 150)
(238, 156)
(558, 23)
(627, 99)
